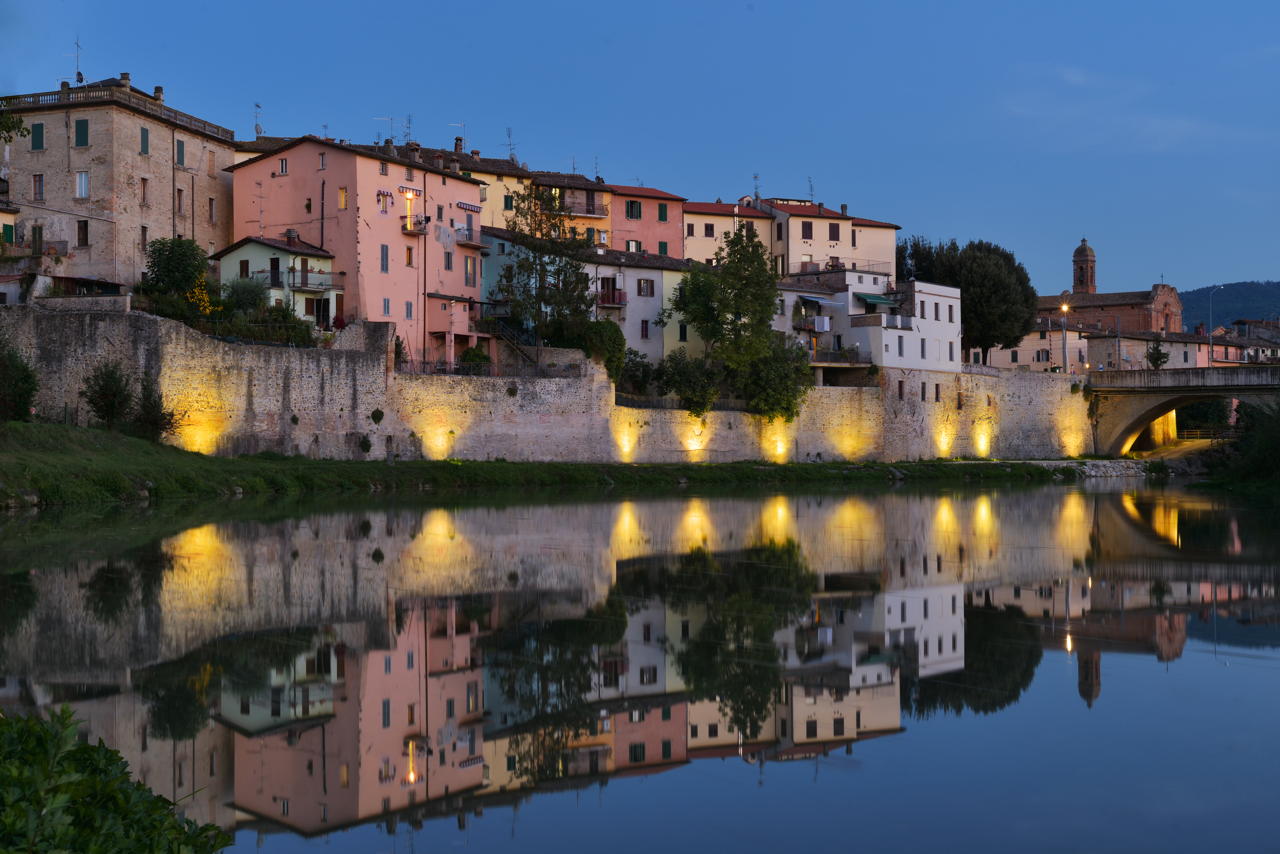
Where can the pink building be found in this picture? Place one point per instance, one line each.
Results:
(402, 224)
(652, 732)
(647, 220)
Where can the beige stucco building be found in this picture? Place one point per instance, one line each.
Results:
(107, 168)
(707, 223)
(808, 237)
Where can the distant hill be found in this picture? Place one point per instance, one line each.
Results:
(1232, 301)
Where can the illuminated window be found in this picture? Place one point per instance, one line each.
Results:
(342, 198)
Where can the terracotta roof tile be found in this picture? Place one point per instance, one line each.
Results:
(724, 209)
(647, 192)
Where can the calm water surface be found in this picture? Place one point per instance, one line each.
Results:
(1062, 669)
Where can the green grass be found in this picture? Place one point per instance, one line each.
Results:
(50, 465)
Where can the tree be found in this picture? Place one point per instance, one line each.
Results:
(777, 383)
(175, 266)
(109, 394)
(545, 285)
(695, 380)
(61, 795)
(151, 420)
(1157, 356)
(11, 126)
(999, 304)
(17, 385)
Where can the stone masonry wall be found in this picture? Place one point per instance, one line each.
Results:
(236, 398)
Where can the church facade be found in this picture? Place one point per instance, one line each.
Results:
(1155, 310)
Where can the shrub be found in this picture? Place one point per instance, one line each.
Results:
(109, 394)
(365, 445)
(17, 385)
(637, 372)
(245, 295)
(376, 416)
(777, 384)
(175, 266)
(65, 796)
(696, 381)
(151, 420)
(402, 354)
(603, 340)
(474, 356)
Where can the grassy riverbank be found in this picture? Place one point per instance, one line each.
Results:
(55, 465)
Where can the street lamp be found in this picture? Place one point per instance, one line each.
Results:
(1064, 308)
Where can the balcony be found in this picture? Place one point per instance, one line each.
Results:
(887, 321)
(839, 357)
(816, 323)
(299, 280)
(616, 298)
(575, 207)
(468, 237)
(855, 265)
(415, 225)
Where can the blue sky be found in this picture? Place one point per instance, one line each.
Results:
(1150, 128)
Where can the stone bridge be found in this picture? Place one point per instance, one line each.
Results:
(1130, 401)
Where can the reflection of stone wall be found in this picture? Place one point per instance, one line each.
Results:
(241, 399)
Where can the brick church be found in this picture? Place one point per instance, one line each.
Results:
(1154, 310)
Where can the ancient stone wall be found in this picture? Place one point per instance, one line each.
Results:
(346, 403)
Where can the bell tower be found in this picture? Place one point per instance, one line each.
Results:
(1083, 269)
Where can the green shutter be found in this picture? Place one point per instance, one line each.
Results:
(37, 136)
(182, 153)
(6, 236)
(82, 133)
(662, 247)
(662, 211)
(508, 202)
(145, 147)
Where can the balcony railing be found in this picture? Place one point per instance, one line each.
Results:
(310, 280)
(120, 95)
(581, 208)
(612, 298)
(468, 237)
(417, 224)
(855, 265)
(887, 321)
(840, 357)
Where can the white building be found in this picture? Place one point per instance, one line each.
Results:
(630, 290)
(916, 326)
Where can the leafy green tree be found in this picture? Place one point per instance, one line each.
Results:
(17, 385)
(109, 393)
(777, 384)
(1157, 356)
(175, 266)
(545, 284)
(152, 420)
(109, 591)
(637, 372)
(695, 380)
(18, 598)
(60, 795)
(245, 295)
(1255, 451)
(11, 126)
(998, 300)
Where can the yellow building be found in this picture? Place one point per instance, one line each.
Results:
(503, 178)
(584, 201)
(707, 223)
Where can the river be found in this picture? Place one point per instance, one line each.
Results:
(1066, 668)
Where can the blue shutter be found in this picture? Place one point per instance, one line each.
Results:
(145, 147)
(82, 133)
(182, 153)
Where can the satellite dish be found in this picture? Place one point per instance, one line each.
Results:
(79, 76)
(257, 130)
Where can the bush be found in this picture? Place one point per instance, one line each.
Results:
(175, 266)
(109, 394)
(696, 381)
(637, 372)
(376, 416)
(245, 295)
(17, 385)
(65, 796)
(776, 385)
(603, 340)
(474, 356)
(151, 420)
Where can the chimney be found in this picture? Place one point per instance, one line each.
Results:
(124, 78)
(453, 165)
(159, 94)
(819, 204)
(438, 160)
(475, 152)
(66, 84)
(291, 236)
(844, 209)
(457, 145)
(388, 146)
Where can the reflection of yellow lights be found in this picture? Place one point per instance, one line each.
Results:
(695, 528)
(1073, 523)
(1164, 520)
(776, 522)
(944, 517)
(207, 574)
(856, 520)
(627, 539)
(1070, 644)
(439, 547)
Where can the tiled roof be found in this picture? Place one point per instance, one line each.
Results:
(647, 192)
(297, 247)
(1051, 303)
(873, 223)
(474, 163)
(806, 210)
(612, 257)
(724, 209)
(570, 181)
(262, 143)
(375, 151)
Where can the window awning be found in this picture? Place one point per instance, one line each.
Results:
(820, 301)
(876, 299)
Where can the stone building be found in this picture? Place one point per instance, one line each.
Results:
(1155, 310)
(105, 169)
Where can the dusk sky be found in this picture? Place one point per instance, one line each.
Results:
(1150, 128)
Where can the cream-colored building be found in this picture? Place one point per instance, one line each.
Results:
(1041, 349)
(808, 238)
(706, 224)
(108, 168)
(296, 274)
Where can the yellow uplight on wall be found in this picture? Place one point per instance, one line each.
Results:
(775, 440)
(695, 435)
(943, 439)
(626, 435)
(982, 441)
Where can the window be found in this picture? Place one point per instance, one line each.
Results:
(833, 232)
(633, 245)
(693, 730)
(778, 231)
(408, 310)
(924, 391)
(1042, 335)
(688, 229)
(953, 642)
(636, 716)
(853, 237)
(82, 232)
(810, 729)
(926, 602)
(649, 675)
(342, 198)
(923, 348)
(386, 307)
(951, 351)
(935, 311)
(511, 763)
(508, 202)
(900, 387)
(900, 346)
(408, 173)
(408, 256)
(473, 697)
(708, 230)
(953, 603)
(144, 249)
(684, 336)
(382, 168)
(666, 749)
(713, 730)
(384, 258)
(412, 719)
(82, 133)
(1184, 355)
(837, 727)
(633, 210)
(806, 231)
(662, 211)
(386, 664)
(177, 202)
(82, 185)
(644, 330)
(469, 271)
(662, 247)
(448, 260)
(244, 268)
(635, 752)
(782, 306)
(180, 153)
(666, 713)
(937, 392)
(37, 187)
(212, 210)
(684, 630)
(384, 202)
(1013, 356)
(951, 313)
(37, 136)
(644, 287)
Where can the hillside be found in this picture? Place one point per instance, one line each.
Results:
(1233, 301)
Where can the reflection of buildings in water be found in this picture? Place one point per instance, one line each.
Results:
(1163, 634)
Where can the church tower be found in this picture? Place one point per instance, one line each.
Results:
(1083, 268)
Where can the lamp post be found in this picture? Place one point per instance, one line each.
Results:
(1065, 308)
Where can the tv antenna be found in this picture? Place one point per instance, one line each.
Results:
(257, 119)
(391, 126)
(810, 188)
(511, 145)
(462, 130)
(79, 73)
(408, 128)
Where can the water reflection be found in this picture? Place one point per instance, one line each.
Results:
(395, 665)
